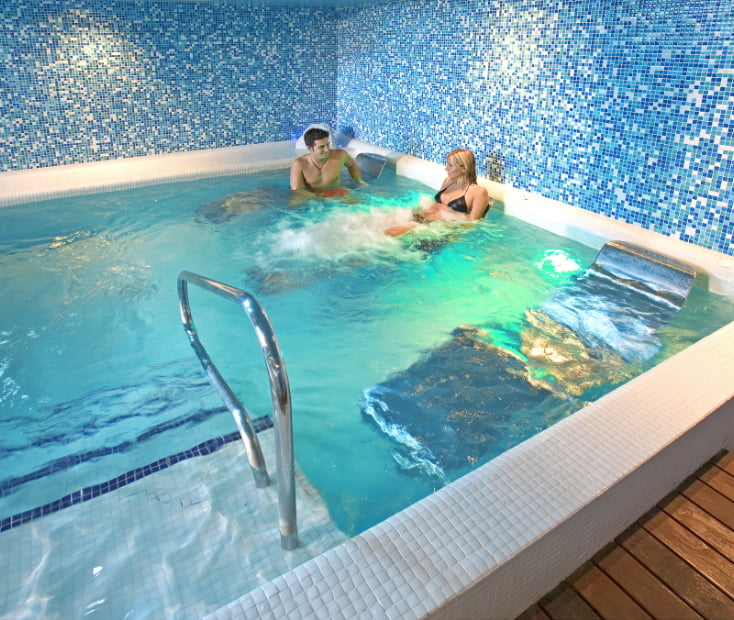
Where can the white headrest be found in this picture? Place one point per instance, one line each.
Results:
(300, 144)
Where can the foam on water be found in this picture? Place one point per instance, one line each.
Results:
(343, 236)
(347, 231)
(420, 456)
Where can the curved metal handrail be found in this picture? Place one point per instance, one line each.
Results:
(279, 391)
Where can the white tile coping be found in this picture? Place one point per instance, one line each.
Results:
(494, 541)
(53, 182)
(22, 186)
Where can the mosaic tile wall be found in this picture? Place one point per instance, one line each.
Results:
(103, 79)
(621, 107)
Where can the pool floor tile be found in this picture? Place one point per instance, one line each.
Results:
(177, 544)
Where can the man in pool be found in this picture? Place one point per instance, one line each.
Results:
(319, 170)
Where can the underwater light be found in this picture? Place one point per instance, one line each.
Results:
(558, 262)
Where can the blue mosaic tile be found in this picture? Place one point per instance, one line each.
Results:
(8, 486)
(621, 108)
(95, 80)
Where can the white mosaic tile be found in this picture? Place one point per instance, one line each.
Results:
(177, 544)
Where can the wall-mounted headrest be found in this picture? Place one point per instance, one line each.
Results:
(300, 143)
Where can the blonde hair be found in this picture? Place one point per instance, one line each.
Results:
(465, 159)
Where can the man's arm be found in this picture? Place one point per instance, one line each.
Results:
(353, 168)
(297, 179)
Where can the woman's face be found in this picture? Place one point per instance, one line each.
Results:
(454, 169)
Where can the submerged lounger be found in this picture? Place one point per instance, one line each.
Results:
(450, 408)
(469, 399)
(242, 203)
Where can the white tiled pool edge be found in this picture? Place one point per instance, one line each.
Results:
(498, 539)
(41, 183)
(494, 541)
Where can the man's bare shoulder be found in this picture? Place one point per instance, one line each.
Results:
(299, 162)
(340, 153)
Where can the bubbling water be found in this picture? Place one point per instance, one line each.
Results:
(359, 231)
(343, 235)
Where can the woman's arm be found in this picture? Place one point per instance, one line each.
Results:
(477, 202)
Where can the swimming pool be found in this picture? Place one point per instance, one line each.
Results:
(98, 379)
(328, 270)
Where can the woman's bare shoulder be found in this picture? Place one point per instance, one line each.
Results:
(480, 191)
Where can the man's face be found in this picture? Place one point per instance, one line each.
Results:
(320, 149)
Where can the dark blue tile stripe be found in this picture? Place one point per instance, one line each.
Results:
(77, 497)
(10, 485)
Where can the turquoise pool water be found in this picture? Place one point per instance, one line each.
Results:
(97, 376)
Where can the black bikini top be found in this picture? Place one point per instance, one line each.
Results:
(457, 204)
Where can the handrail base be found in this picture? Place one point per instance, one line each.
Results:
(261, 478)
(289, 542)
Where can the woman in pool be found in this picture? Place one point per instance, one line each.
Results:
(459, 199)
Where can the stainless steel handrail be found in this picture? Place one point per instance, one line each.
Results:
(279, 391)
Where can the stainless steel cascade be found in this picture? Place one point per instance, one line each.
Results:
(279, 390)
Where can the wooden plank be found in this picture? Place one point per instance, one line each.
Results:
(725, 460)
(676, 562)
(534, 613)
(604, 595)
(642, 585)
(696, 590)
(701, 556)
(564, 603)
(710, 530)
(711, 501)
(720, 480)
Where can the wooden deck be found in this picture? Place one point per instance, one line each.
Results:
(676, 562)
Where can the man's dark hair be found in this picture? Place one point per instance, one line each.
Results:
(313, 134)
